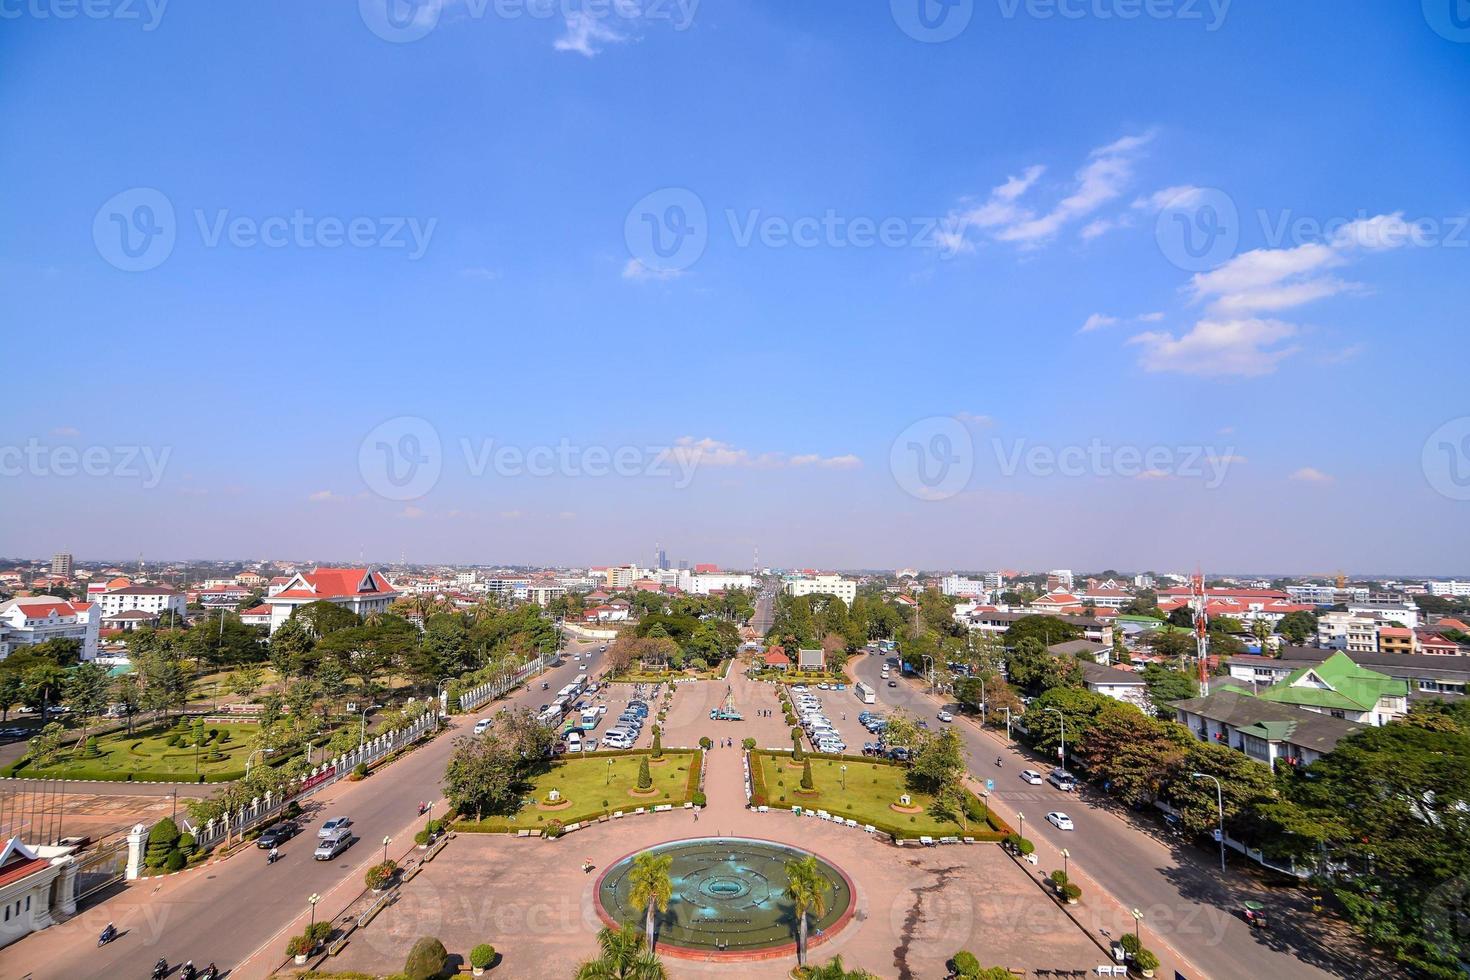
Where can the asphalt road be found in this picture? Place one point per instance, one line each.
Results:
(1178, 887)
(765, 613)
(228, 912)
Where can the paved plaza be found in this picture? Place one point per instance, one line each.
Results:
(914, 907)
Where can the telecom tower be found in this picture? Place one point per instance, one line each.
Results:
(1198, 599)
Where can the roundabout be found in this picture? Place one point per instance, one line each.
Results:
(729, 898)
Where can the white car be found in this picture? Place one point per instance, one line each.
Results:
(482, 726)
(945, 716)
(1031, 776)
(1060, 820)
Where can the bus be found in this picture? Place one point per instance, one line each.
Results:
(567, 693)
(580, 683)
(864, 693)
(590, 718)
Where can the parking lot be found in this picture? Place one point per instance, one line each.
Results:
(612, 700)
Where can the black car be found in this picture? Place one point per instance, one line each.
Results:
(276, 835)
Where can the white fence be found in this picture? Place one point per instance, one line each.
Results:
(490, 690)
(264, 808)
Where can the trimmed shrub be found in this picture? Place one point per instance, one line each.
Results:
(748, 744)
(698, 798)
(965, 965)
(89, 751)
(186, 845)
(298, 946)
(379, 875)
(705, 742)
(797, 752)
(645, 779)
(1145, 959)
(1130, 943)
(163, 840)
(806, 776)
(359, 771)
(1071, 892)
(658, 743)
(318, 932)
(482, 956)
(175, 861)
(426, 959)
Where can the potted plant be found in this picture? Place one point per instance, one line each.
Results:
(298, 948)
(379, 875)
(1071, 893)
(1130, 944)
(1146, 962)
(481, 957)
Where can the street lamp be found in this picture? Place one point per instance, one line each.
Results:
(439, 711)
(1022, 818)
(312, 900)
(1065, 855)
(1007, 710)
(923, 657)
(386, 842)
(985, 798)
(1137, 918)
(843, 769)
(362, 730)
(1063, 719)
(983, 700)
(1220, 806)
(251, 757)
(609, 773)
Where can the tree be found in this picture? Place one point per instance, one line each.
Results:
(12, 692)
(128, 697)
(1045, 630)
(645, 778)
(46, 746)
(1134, 755)
(806, 776)
(290, 647)
(952, 802)
(481, 776)
(426, 959)
(86, 690)
(937, 761)
(163, 840)
(651, 888)
(834, 970)
(44, 681)
(1167, 685)
(623, 955)
(1297, 627)
(1077, 706)
(1182, 617)
(807, 888)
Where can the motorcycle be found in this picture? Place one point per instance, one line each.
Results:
(1254, 914)
(160, 969)
(108, 935)
(423, 808)
(999, 763)
(272, 856)
(211, 972)
(188, 972)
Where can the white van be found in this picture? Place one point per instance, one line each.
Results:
(574, 741)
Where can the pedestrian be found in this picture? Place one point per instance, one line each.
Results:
(696, 814)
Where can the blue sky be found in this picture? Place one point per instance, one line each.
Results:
(1032, 368)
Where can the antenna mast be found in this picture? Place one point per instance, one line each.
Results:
(1198, 599)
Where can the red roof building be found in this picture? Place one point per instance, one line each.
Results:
(359, 590)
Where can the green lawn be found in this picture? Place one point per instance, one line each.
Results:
(146, 755)
(870, 788)
(595, 788)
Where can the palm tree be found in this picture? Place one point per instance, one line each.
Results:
(651, 887)
(807, 888)
(834, 970)
(623, 957)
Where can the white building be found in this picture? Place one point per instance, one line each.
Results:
(360, 590)
(1387, 611)
(1457, 589)
(704, 583)
(1062, 575)
(156, 600)
(36, 619)
(542, 593)
(958, 585)
(843, 588)
(37, 888)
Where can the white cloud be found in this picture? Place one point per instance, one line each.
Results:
(1155, 475)
(690, 452)
(1097, 321)
(587, 34)
(979, 421)
(411, 512)
(326, 497)
(511, 515)
(481, 273)
(1100, 181)
(1309, 474)
(66, 432)
(1247, 347)
(638, 272)
(1100, 227)
(1383, 231)
(1181, 196)
(1229, 460)
(1270, 279)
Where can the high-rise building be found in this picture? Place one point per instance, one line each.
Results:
(661, 561)
(61, 564)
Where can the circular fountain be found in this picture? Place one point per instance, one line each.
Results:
(729, 897)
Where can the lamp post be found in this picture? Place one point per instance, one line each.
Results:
(1063, 719)
(362, 728)
(1065, 855)
(1007, 710)
(609, 773)
(983, 700)
(1022, 818)
(1137, 918)
(250, 758)
(386, 842)
(439, 709)
(1220, 807)
(843, 769)
(985, 799)
(312, 900)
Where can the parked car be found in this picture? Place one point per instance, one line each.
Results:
(1060, 820)
(482, 726)
(1031, 776)
(893, 683)
(334, 826)
(331, 846)
(276, 835)
(945, 716)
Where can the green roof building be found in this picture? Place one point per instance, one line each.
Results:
(1340, 688)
